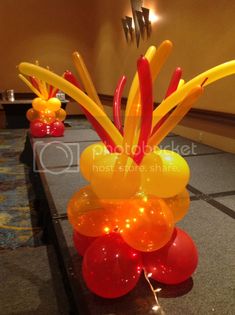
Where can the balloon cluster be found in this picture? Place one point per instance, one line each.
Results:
(124, 220)
(46, 115)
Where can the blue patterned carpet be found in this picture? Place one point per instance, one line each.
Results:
(19, 216)
(17, 212)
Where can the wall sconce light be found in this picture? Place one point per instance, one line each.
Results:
(142, 24)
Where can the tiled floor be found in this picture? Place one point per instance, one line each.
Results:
(210, 222)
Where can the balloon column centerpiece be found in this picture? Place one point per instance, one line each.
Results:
(46, 115)
(124, 220)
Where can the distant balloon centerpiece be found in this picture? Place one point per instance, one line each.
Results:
(46, 115)
(124, 220)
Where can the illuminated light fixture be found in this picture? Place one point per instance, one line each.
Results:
(142, 22)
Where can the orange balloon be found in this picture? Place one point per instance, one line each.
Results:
(89, 216)
(61, 114)
(179, 205)
(150, 223)
(32, 114)
(47, 116)
(39, 104)
(53, 104)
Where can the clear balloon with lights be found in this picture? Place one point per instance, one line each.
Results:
(125, 220)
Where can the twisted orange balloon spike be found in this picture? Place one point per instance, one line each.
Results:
(175, 117)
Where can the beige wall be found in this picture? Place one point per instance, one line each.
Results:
(202, 33)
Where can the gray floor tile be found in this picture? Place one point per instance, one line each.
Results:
(29, 285)
(71, 135)
(62, 185)
(228, 201)
(212, 173)
(171, 134)
(185, 146)
(59, 154)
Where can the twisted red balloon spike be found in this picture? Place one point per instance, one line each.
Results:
(175, 79)
(161, 121)
(104, 136)
(204, 81)
(34, 82)
(68, 75)
(146, 96)
(52, 92)
(117, 104)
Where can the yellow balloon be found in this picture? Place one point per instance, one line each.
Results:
(39, 104)
(60, 114)
(89, 157)
(164, 173)
(32, 114)
(115, 176)
(89, 216)
(53, 104)
(179, 205)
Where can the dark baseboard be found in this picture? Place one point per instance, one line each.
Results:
(215, 116)
(24, 96)
(220, 117)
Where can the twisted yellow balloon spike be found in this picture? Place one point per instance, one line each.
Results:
(23, 78)
(55, 80)
(131, 125)
(213, 75)
(86, 79)
(176, 116)
(181, 83)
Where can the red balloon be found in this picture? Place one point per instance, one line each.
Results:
(117, 117)
(82, 242)
(110, 267)
(175, 262)
(57, 129)
(38, 128)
